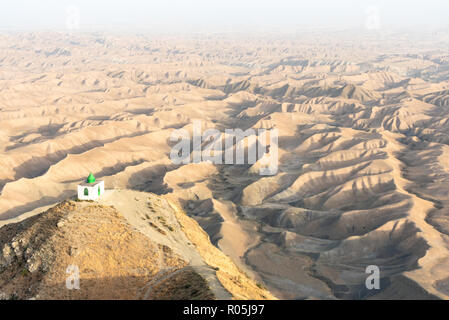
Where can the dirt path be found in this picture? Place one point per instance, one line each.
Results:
(144, 211)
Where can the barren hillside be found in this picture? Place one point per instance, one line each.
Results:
(141, 254)
(363, 137)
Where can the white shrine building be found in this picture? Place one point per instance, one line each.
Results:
(90, 189)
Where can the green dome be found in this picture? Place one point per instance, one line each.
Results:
(90, 178)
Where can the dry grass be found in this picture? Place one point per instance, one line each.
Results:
(230, 276)
(114, 260)
(186, 285)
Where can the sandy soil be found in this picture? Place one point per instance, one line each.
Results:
(363, 144)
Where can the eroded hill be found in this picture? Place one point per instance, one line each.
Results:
(143, 254)
(363, 144)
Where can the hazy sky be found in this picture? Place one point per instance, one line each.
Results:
(215, 15)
